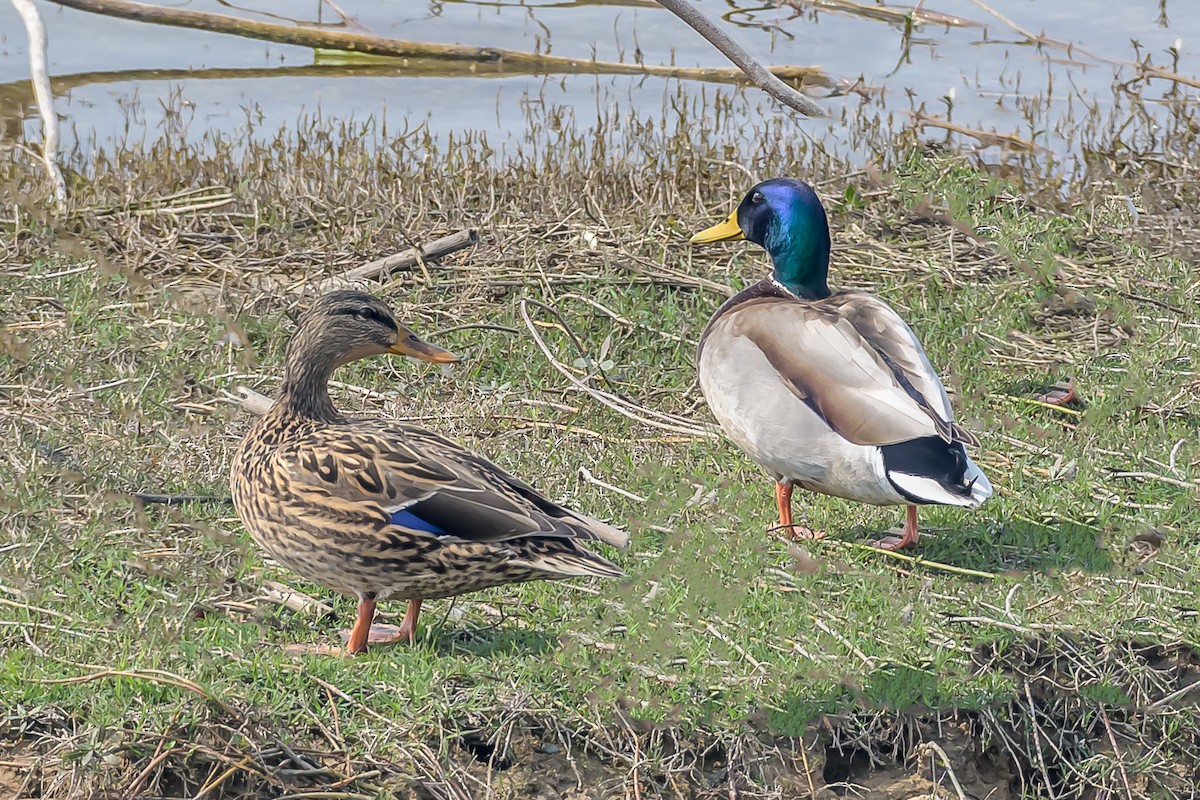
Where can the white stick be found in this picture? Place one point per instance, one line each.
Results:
(40, 77)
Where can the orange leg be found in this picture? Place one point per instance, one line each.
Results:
(908, 537)
(408, 625)
(365, 633)
(356, 638)
(361, 631)
(783, 499)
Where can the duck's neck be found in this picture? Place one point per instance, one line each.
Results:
(305, 390)
(804, 274)
(802, 261)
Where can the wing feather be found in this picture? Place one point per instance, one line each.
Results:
(375, 468)
(891, 337)
(854, 361)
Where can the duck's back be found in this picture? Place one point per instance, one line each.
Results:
(812, 389)
(385, 508)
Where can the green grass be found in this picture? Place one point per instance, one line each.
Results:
(115, 379)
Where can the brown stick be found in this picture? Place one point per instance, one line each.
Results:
(897, 15)
(373, 44)
(758, 74)
(987, 138)
(398, 262)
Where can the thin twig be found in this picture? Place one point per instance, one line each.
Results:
(937, 748)
(646, 416)
(38, 609)
(294, 600)
(1029, 401)
(471, 326)
(587, 475)
(250, 400)
(1038, 735)
(916, 561)
(1112, 739)
(868, 662)
(1172, 697)
(229, 772)
(1151, 476)
(987, 138)
(158, 676)
(712, 629)
(812, 790)
(147, 498)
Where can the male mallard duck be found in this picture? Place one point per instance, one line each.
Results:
(376, 508)
(828, 391)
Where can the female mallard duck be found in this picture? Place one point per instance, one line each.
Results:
(828, 391)
(376, 508)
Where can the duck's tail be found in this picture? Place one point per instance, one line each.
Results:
(930, 471)
(564, 558)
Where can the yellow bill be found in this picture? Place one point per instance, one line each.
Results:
(721, 232)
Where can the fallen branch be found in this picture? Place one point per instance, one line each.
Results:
(758, 74)
(327, 65)
(294, 600)
(399, 262)
(39, 77)
(252, 401)
(375, 45)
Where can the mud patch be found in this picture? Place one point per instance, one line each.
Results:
(933, 756)
(938, 756)
(1028, 748)
(18, 772)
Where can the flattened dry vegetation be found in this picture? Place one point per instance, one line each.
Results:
(141, 641)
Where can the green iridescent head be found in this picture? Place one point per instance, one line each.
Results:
(785, 217)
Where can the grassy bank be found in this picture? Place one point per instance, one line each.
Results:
(141, 653)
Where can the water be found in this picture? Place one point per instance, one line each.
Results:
(125, 82)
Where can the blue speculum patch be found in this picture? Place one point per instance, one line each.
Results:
(410, 520)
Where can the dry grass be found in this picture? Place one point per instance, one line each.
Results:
(139, 641)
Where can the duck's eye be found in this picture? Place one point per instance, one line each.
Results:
(757, 198)
(369, 313)
(374, 315)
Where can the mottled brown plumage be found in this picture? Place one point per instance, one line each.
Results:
(377, 508)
